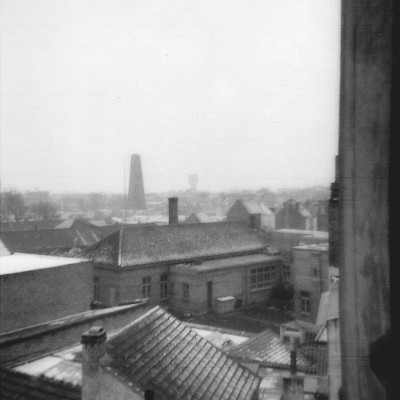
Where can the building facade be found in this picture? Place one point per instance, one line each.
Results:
(36, 288)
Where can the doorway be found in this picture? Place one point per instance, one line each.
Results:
(209, 296)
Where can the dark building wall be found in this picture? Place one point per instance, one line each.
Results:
(367, 122)
(323, 216)
(237, 213)
(32, 297)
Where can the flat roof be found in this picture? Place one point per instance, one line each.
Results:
(316, 234)
(20, 262)
(316, 247)
(231, 262)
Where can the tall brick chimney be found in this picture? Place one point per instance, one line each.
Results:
(173, 210)
(93, 349)
(136, 196)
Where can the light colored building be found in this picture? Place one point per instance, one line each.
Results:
(254, 213)
(310, 275)
(37, 288)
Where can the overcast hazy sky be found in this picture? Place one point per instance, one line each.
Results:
(243, 93)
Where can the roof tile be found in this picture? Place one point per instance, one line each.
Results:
(177, 362)
(176, 243)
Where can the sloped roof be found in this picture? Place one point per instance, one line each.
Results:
(159, 352)
(3, 249)
(175, 243)
(43, 240)
(268, 349)
(199, 217)
(252, 207)
(64, 237)
(18, 386)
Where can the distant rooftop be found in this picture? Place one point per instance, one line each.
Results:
(20, 262)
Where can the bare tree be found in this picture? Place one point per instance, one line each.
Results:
(12, 204)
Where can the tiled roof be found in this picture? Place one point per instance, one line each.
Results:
(80, 233)
(159, 352)
(175, 243)
(18, 386)
(29, 225)
(44, 240)
(3, 249)
(267, 349)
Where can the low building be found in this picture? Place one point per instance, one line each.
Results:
(36, 288)
(294, 215)
(68, 236)
(269, 354)
(168, 265)
(311, 276)
(221, 285)
(198, 218)
(255, 214)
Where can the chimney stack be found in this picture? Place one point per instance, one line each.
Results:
(93, 349)
(173, 210)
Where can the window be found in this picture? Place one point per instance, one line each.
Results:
(96, 288)
(262, 277)
(305, 302)
(146, 286)
(163, 286)
(286, 274)
(185, 291)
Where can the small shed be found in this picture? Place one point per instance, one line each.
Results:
(224, 304)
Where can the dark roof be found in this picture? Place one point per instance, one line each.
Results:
(43, 240)
(29, 225)
(159, 352)
(81, 233)
(199, 217)
(175, 243)
(267, 349)
(18, 386)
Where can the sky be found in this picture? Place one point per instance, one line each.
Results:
(243, 93)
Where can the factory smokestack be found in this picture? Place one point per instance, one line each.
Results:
(136, 199)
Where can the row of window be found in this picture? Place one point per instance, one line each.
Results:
(262, 277)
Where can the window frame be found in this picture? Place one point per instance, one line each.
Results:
(146, 286)
(262, 277)
(164, 286)
(185, 292)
